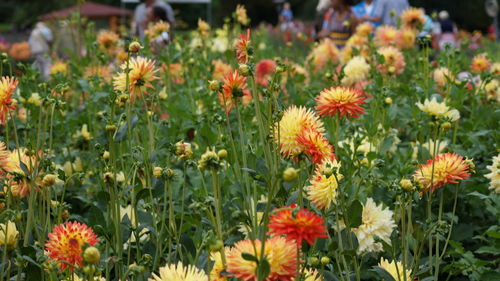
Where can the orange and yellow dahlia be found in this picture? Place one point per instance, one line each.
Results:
(444, 168)
(394, 61)
(322, 191)
(386, 35)
(340, 100)
(141, 75)
(7, 86)
(480, 63)
(242, 47)
(66, 241)
(316, 146)
(413, 18)
(235, 86)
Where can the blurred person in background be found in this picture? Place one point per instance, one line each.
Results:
(140, 23)
(155, 14)
(321, 9)
(447, 31)
(365, 11)
(339, 23)
(286, 17)
(40, 41)
(387, 11)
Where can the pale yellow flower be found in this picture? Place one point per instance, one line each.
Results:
(8, 235)
(494, 175)
(35, 99)
(395, 269)
(438, 109)
(356, 70)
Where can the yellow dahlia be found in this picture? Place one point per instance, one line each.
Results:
(364, 29)
(59, 67)
(294, 121)
(311, 275)
(480, 63)
(241, 15)
(386, 35)
(494, 175)
(279, 252)
(413, 18)
(156, 29)
(66, 241)
(438, 109)
(107, 40)
(356, 70)
(340, 100)
(406, 38)
(322, 191)
(492, 89)
(395, 269)
(495, 68)
(8, 235)
(377, 221)
(444, 168)
(394, 61)
(179, 272)
(142, 73)
(203, 28)
(218, 267)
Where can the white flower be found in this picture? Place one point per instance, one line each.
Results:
(376, 221)
(429, 146)
(494, 176)
(356, 70)
(438, 109)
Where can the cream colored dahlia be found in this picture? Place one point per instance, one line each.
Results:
(494, 175)
(179, 272)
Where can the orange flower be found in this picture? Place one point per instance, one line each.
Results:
(386, 35)
(406, 38)
(316, 146)
(66, 241)
(142, 73)
(292, 124)
(297, 224)
(278, 251)
(394, 61)
(107, 40)
(364, 29)
(444, 168)
(20, 51)
(7, 86)
(340, 100)
(175, 71)
(480, 63)
(323, 53)
(156, 29)
(241, 47)
(263, 69)
(221, 69)
(413, 18)
(234, 88)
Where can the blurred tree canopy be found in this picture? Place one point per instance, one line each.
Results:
(468, 14)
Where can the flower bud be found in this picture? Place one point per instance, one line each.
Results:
(314, 261)
(108, 177)
(217, 246)
(244, 69)
(191, 61)
(290, 174)
(111, 128)
(280, 69)
(391, 70)
(328, 172)
(214, 85)
(222, 154)
(49, 180)
(325, 260)
(388, 100)
(406, 184)
(169, 173)
(105, 155)
(157, 172)
(446, 126)
(134, 47)
(65, 215)
(91, 255)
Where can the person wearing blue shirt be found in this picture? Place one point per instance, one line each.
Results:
(365, 11)
(286, 17)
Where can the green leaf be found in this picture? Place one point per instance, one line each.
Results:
(263, 269)
(121, 133)
(354, 214)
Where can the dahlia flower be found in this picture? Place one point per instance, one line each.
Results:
(340, 100)
(322, 191)
(297, 225)
(322, 54)
(59, 67)
(364, 29)
(394, 61)
(218, 267)
(7, 86)
(107, 40)
(480, 63)
(66, 241)
(386, 35)
(8, 235)
(316, 146)
(356, 70)
(279, 252)
(156, 29)
(444, 168)
(376, 222)
(395, 269)
(292, 124)
(442, 75)
(413, 18)
(263, 71)
(406, 38)
(179, 272)
(241, 15)
(438, 109)
(242, 46)
(494, 175)
(235, 86)
(141, 75)
(221, 69)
